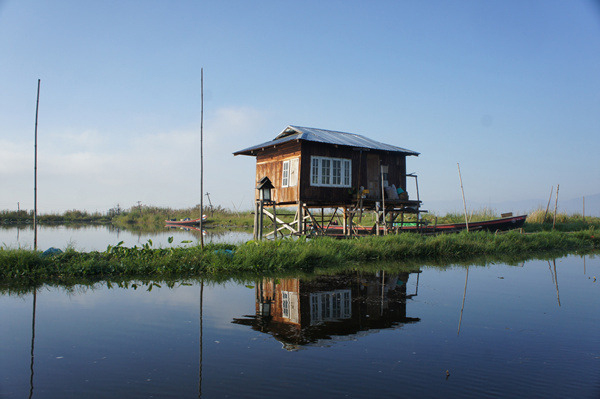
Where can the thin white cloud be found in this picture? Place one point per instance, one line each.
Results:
(94, 170)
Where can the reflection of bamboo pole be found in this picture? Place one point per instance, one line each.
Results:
(463, 196)
(417, 289)
(463, 301)
(200, 328)
(556, 282)
(32, 345)
(551, 273)
(382, 290)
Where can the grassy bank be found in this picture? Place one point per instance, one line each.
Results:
(139, 217)
(67, 217)
(151, 218)
(287, 255)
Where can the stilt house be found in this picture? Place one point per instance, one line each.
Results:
(318, 168)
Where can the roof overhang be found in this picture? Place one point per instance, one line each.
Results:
(325, 137)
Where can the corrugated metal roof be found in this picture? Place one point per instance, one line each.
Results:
(325, 136)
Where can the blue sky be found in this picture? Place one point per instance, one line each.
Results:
(509, 89)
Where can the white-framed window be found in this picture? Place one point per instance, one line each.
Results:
(289, 174)
(330, 172)
(285, 175)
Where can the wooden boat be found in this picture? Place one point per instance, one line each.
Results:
(185, 222)
(502, 224)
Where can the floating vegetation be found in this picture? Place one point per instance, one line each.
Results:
(301, 255)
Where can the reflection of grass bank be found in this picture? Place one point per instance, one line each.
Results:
(287, 255)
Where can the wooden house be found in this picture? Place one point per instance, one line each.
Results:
(318, 168)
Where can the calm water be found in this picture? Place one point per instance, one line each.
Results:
(97, 238)
(530, 331)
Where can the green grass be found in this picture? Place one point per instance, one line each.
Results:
(279, 256)
(71, 216)
(150, 218)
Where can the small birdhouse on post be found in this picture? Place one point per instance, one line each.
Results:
(264, 188)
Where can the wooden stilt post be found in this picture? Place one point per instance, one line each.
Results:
(377, 219)
(256, 213)
(260, 220)
(350, 217)
(274, 221)
(300, 218)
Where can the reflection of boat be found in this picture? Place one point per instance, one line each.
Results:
(185, 222)
(332, 308)
(185, 227)
(502, 224)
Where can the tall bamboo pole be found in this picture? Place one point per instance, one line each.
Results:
(201, 153)
(555, 207)
(383, 201)
(37, 104)
(463, 196)
(548, 206)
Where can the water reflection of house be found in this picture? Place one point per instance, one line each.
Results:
(301, 312)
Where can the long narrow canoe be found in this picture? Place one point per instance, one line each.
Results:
(185, 222)
(502, 224)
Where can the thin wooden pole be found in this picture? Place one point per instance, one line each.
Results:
(383, 201)
(583, 210)
(261, 220)
(555, 207)
(463, 196)
(201, 154)
(256, 213)
(548, 206)
(275, 221)
(300, 218)
(37, 105)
